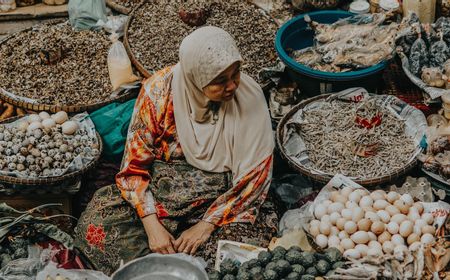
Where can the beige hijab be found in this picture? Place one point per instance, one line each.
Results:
(242, 136)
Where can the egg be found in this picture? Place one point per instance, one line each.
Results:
(350, 227)
(352, 254)
(400, 251)
(314, 230)
(366, 201)
(362, 191)
(385, 236)
(384, 216)
(333, 241)
(334, 217)
(372, 216)
(397, 239)
(428, 229)
(417, 230)
(326, 219)
(406, 228)
(413, 214)
(374, 243)
(380, 204)
(357, 214)
(335, 207)
(362, 249)
(339, 247)
(340, 223)
(350, 204)
(398, 218)
(22, 126)
(60, 117)
(378, 195)
(412, 238)
(392, 210)
(340, 198)
(407, 198)
(44, 115)
(374, 252)
(413, 247)
(377, 227)
(322, 241)
(419, 207)
(346, 191)
(69, 127)
(427, 239)
(364, 224)
(360, 237)
(428, 218)
(392, 196)
(33, 126)
(326, 202)
(48, 123)
(393, 228)
(320, 211)
(355, 197)
(343, 235)
(315, 223)
(346, 214)
(347, 243)
(33, 118)
(372, 236)
(334, 231)
(325, 228)
(402, 206)
(388, 247)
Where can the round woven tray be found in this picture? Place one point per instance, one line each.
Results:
(19, 102)
(118, 8)
(51, 180)
(326, 178)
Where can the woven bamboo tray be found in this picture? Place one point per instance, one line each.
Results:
(118, 8)
(35, 106)
(326, 178)
(51, 180)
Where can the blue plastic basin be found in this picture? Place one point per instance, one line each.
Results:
(295, 35)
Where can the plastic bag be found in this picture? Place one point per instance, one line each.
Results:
(85, 14)
(119, 65)
(7, 5)
(26, 268)
(236, 251)
(52, 271)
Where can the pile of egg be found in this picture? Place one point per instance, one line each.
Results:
(360, 223)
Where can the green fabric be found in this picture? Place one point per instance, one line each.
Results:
(112, 122)
(85, 14)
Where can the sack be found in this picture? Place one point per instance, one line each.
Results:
(119, 65)
(83, 15)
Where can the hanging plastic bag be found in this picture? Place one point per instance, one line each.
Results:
(119, 65)
(7, 5)
(85, 14)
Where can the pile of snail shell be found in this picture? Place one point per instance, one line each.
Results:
(360, 223)
(43, 145)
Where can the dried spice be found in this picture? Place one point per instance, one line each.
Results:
(53, 64)
(157, 30)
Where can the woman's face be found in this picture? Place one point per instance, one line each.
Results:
(224, 86)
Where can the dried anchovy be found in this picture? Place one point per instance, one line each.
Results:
(79, 75)
(330, 133)
(156, 31)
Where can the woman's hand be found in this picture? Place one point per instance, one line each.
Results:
(192, 238)
(159, 239)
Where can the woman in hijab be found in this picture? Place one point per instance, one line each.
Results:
(198, 159)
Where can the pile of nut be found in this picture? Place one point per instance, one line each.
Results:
(43, 145)
(55, 65)
(157, 30)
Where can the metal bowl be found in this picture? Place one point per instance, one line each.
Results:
(160, 267)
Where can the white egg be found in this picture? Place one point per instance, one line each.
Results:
(428, 217)
(60, 117)
(380, 204)
(413, 214)
(428, 229)
(335, 207)
(343, 235)
(412, 238)
(334, 231)
(402, 206)
(352, 254)
(378, 195)
(375, 244)
(322, 241)
(392, 196)
(340, 223)
(354, 197)
(33, 126)
(393, 228)
(406, 228)
(364, 224)
(363, 192)
(415, 246)
(333, 241)
(398, 218)
(325, 219)
(314, 230)
(384, 216)
(347, 243)
(48, 123)
(377, 227)
(388, 247)
(417, 230)
(372, 236)
(385, 236)
(320, 211)
(44, 115)
(357, 214)
(315, 223)
(334, 217)
(419, 206)
(346, 191)
(427, 239)
(392, 210)
(33, 118)
(366, 201)
(374, 252)
(350, 204)
(407, 198)
(325, 228)
(362, 249)
(326, 202)
(350, 227)
(397, 239)
(372, 216)
(346, 214)
(69, 127)
(340, 198)
(360, 237)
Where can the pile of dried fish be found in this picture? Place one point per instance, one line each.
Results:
(53, 64)
(349, 44)
(157, 30)
(337, 143)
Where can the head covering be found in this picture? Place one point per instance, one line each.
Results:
(242, 136)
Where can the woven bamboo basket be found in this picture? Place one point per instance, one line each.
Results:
(51, 180)
(17, 101)
(394, 174)
(118, 8)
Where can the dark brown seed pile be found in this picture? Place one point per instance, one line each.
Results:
(128, 4)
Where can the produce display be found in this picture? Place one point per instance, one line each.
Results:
(53, 64)
(158, 28)
(361, 223)
(349, 44)
(45, 146)
(292, 264)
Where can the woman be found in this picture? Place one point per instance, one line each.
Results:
(198, 158)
